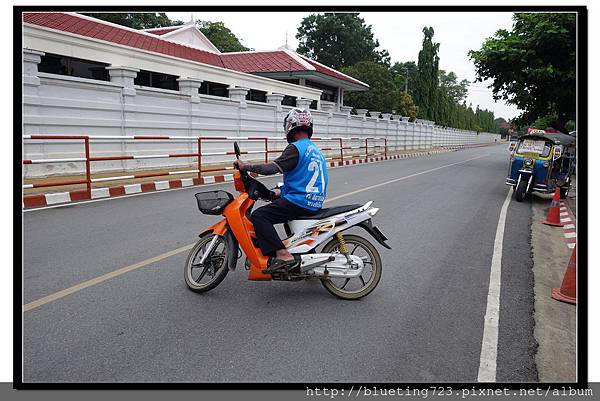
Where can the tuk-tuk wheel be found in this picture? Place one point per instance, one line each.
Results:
(520, 191)
(564, 192)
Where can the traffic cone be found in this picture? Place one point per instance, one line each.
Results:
(553, 216)
(568, 289)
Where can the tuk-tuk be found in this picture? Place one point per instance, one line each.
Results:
(540, 162)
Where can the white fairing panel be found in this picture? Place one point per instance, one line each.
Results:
(308, 234)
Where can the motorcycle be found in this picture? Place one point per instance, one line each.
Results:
(348, 265)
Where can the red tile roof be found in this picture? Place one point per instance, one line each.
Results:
(162, 31)
(99, 30)
(331, 72)
(274, 61)
(249, 62)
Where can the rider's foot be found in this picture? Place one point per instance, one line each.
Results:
(281, 264)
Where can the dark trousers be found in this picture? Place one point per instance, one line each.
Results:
(277, 212)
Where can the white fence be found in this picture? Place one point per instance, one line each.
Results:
(62, 105)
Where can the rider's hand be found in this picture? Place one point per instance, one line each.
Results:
(238, 164)
(276, 193)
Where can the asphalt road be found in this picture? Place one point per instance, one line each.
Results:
(424, 322)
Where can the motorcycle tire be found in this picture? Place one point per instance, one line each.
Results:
(520, 191)
(373, 281)
(219, 275)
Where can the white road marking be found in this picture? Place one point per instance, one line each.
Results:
(118, 272)
(489, 343)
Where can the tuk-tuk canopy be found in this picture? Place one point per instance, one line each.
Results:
(557, 138)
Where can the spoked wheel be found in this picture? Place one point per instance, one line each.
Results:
(204, 277)
(357, 287)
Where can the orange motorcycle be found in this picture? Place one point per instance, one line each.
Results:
(348, 265)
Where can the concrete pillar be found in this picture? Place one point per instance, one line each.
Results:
(238, 95)
(123, 76)
(275, 99)
(190, 86)
(375, 114)
(328, 107)
(362, 113)
(386, 116)
(31, 59)
(346, 110)
(405, 118)
(302, 103)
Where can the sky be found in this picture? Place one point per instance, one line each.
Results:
(400, 33)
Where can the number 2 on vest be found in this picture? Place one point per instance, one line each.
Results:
(316, 167)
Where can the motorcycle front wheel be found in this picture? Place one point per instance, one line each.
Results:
(357, 287)
(202, 277)
(520, 191)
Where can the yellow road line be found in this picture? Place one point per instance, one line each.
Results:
(104, 277)
(78, 287)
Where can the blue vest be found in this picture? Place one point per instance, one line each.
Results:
(306, 184)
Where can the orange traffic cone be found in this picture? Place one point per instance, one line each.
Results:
(568, 289)
(553, 216)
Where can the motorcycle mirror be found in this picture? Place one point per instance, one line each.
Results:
(279, 185)
(236, 149)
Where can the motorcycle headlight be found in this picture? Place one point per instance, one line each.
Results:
(528, 162)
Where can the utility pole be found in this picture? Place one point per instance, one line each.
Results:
(406, 81)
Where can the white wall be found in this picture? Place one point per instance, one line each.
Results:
(60, 105)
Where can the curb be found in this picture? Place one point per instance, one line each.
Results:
(40, 200)
(570, 228)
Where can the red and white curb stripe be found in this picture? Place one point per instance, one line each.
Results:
(40, 200)
(570, 225)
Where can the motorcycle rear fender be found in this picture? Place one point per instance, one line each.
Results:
(221, 228)
(374, 231)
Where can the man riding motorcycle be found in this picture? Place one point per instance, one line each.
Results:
(305, 186)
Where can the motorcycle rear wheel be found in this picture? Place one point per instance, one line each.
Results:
(214, 268)
(371, 260)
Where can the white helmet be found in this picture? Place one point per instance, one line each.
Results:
(295, 119)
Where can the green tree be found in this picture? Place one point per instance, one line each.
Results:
(449, 83)
(405, 106)
(426, 84)
(339, 39)
(137, 20)
(221, 36)
(401, 71)
(533, 66)
(381, 94)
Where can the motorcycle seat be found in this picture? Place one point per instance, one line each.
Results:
(328, 212)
